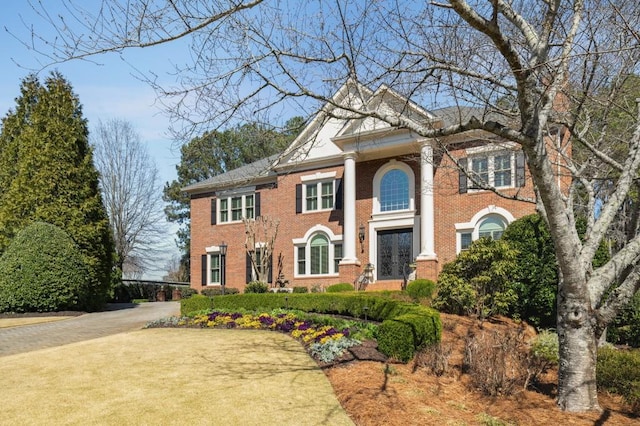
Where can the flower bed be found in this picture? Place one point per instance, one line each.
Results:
(323, 342)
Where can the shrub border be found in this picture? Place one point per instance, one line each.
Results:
(405, 328)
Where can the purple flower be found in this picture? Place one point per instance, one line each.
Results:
(235, 316)
(268, 321)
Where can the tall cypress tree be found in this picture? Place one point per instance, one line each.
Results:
(47, 174)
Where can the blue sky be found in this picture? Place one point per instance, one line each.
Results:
(106, 90)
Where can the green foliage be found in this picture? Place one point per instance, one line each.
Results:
(545, 347)
(256, 287)
(479, 281)
(42, 271)
(421, 289)
(301, 290)
(194, 304)
(47, 174)
(421, 325)
(535, 273)
(395, 339)
(217, 152)
(217, 291)
(618, 371)
(329, 351)
(625, 329)
(186, 292)
(340, 287)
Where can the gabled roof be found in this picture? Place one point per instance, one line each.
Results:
(316, 141)
(260, 171)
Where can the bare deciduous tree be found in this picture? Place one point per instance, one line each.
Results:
(541, 70)
(260, 238)
(129, 183)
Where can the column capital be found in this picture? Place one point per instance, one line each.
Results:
(350, 155)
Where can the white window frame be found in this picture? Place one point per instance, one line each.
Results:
(213, 251)
(305, 242)
(229, 209)
(473, 226)
(318, 195)
(490, 152)
(377, 181)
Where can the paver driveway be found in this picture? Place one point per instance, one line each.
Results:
(89, 326)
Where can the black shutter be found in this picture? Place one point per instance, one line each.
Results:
(213, 211)
(339, 194)
(249, 269)
(269, 272)
(462, 176)
(520, 178)
(298, 198)
(257, 204)
(204, 269)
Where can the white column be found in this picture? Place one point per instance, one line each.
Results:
(427, 214)
(349, 209)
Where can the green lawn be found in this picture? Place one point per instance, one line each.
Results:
(170, 377)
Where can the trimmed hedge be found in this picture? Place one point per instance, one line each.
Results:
(421, 289)
(195, 303)
(217, 291)
(340, 287)
(405, 328)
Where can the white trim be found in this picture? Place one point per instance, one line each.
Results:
(318, 176)
(318, 184)
(305, 241)
(490, 153)
(236, 191)
(377, 179)
(243, 196)
(400, 221)
(491, 148)
(473, 225)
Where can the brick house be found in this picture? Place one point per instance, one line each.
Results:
(353, 192)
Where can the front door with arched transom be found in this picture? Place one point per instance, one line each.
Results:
(394, 253)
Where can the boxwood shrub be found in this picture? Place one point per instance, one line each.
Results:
(42, 270)
(421, 289)
(406, 327)
(340, 287)
(195, 303)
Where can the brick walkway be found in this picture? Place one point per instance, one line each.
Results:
(89, 326)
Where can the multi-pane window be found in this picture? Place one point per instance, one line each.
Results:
(491, 227)
(394, 191)
(319, 196)
(493, 170)
(337, 256)
(465, 240)
(327, 195)
(215, 268)
(302, 260)
(480, 167)
(502, 170)
(224, 210)
(312, 196)
(234, 209)
(319, 256)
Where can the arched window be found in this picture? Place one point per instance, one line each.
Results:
(492, 227)
(394, 191)
(487, 223)
(319, 248)
(318, 253)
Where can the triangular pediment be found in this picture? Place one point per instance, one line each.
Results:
(316, 141)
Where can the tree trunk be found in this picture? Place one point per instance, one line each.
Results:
(577, 390)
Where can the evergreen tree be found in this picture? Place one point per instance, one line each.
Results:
(214, 153)
(48, 175)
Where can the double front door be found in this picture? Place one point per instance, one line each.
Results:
(394, 253)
